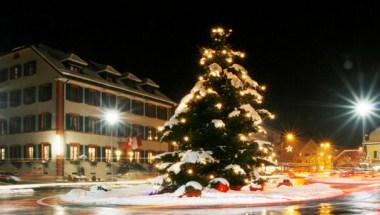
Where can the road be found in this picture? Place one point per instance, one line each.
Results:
(364, 200)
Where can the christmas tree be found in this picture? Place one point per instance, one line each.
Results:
(215, 125)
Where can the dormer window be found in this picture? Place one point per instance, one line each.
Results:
(149, 86)
(75, 68)
(74, 63)
(131, 80)
(108, 73)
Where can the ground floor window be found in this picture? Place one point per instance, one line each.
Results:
(150, 157)
(137, 156)
(2, 153)
(45, 152)
(108, 155)
(29, 152)
(92, 153)
(74, 152)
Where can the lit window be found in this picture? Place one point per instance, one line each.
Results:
(137, 156)
(108, 155)
(45, 152)
(150, 157)
(74, 152)
(29, 152)
(91, 153)
(2, 153)
(15, 72)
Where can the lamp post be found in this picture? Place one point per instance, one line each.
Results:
(363, 109)
(111, 117)
(288, 137)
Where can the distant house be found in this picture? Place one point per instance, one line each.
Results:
(372, 147)
(349, 158)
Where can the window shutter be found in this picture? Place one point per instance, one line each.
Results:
(81, 123)
(68, 122)
(103, 155)
(80, 94)
(68, 92)
(25, 152)
(50, 152)
(39, 151)
(86, 150)
(86, 124)
(48, 121)
(67, 151)
(98, 151)
(34, 152)
(81, 148)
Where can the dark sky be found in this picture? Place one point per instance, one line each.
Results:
(304, 52)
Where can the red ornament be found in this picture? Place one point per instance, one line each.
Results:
(222, 187)
(261, 188)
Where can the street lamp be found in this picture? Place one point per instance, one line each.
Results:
(112, 117)
(363, 109)
(288, 137)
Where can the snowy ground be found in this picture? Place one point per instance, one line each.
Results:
(138, 195)
(5, 193)
(340, 180)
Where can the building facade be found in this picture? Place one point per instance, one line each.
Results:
(52, 107)
(372, 148)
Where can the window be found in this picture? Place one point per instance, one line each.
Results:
(92, 125)
(150, 133)
(3, 126)
(74, 93)
(150, 110)
(162, 113)
(150, 157)
(45, 151)
(2, 153)
(138, 130)
(137, 156)
(3, 100)
(108, 100)
(30, 68)
(124, 104)
(29, 95)
(92, 97)
(29, 123)
(92, 153)
(15, 72)
(15, 125)
(44, 121)
(3, 75)
(74, 152)
(75, 68)
(74, 122)
(15, 153)
(29, 152)
(137, 107)
(15, 98)
(374, 154)
(108, 154)
(44, 92)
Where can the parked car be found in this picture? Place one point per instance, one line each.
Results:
(9, 178)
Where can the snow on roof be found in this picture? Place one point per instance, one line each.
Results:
(236, 168)
(132, 77)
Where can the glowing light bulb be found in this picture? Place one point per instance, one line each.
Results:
(174, 143)
(183, 120)
(209, 55)
(186, 138)
(168, 180)
(242, 55)
(243, 138)
(190, 171)
(246, 180)
(229, 60)
(160, 128)
(263, 87)
(272, 116)
(224, 51)
(201, 78)
(211, 176)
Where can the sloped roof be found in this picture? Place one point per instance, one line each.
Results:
(91, 72)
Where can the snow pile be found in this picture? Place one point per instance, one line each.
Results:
(218, 123)
(247, 79)
(340, 180)
(100, 188)
(282, 195)
(162, 166)
(7, 192)
(219, 180)
(188, 156)
(236, 168)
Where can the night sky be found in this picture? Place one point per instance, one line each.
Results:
(307, 54)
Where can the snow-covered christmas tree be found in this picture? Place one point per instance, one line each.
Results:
(215, 125)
